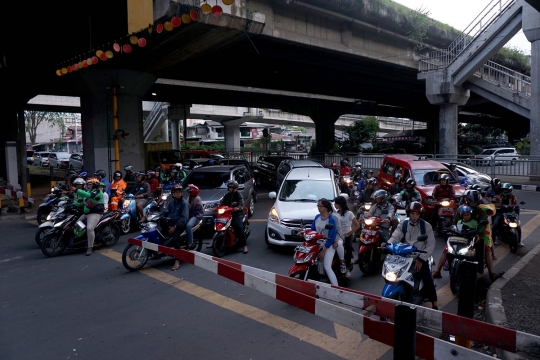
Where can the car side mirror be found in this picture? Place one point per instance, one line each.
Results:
(329, 226)
(422, 238)
(272, 195)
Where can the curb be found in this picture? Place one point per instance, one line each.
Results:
(494, 308)
(17, 217)
(527, 187)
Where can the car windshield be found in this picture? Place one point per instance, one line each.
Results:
(208, 180)
(170, 156)
(488, 152)
(306, 190)
(431, 176)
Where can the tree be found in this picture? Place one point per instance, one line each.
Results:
(362, 131)
(472, 134)
(34, 118)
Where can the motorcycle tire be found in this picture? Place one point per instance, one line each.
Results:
(53, 245)
(300, 275)
(133, 258)
(109, 235)
(454, 280)
(125, 225)
(41, 215)
(40, 234)
(513, 242)
(366, 265)
(219, 246)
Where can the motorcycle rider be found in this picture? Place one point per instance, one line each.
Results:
(93, 209)
(102, 177)
(327, 254)
(234, 199)
(344, 170)
(70, 177)
(409, 194)
(362, 184)
(102, 187)
(442, 191)
(181, 172)
(384, 210)
(505, 197)
(366, 194)
(335, 169)
(415, 210)
(397, 186)
(161, 175)
(177, 218)
(129, 179)
(196, 212)
(152, 181)
(356, 172)
(118, 187)
(494, 189)
(142, 193)
(173, 178)
(78, 183)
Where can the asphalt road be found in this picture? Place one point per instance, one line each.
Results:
(83, 307)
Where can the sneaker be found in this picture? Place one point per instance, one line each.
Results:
(343, 268)
(347, 274)
(88, 251)
(521, 244)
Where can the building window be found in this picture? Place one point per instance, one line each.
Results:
(245, 132)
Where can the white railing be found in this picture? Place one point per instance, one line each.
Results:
(505, 78)
(442, 58)
(153, 117)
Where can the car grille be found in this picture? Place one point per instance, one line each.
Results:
(296, 223)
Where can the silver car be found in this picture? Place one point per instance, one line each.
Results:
(41, 158)
(212, 183)
(59, 159)
(76, 162)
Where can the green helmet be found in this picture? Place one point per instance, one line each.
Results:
(506, 189)
(102, 184)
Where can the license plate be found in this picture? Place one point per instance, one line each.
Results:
(394, 259)
(369, 232)
(302, 249)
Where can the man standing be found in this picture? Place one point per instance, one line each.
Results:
(118, 187)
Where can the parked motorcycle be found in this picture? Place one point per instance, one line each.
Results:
(71, 233)
(403, 282)
(135, 257)
(370, 257)
(57, 214)
(48, 204)
(225, 239)
(307, 264)
(509, 229)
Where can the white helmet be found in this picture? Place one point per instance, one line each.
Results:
(79, 181)
(178, 166)
(358, 164)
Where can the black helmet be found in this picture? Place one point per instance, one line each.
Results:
(70, 175)
(117, 173)
(344, 162)
(473, 196)
(157, 168)
(410, 181)
(445, 177)
(128, 168)
(100, 173)
(414, 206)
(141, 174)
(476, 187)
(495, 182)
(398, 176)
(232, 183)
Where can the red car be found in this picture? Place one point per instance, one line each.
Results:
(425, 172)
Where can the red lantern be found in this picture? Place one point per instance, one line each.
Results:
(127, 48)
(194, 15)
(159, 28)
(81, 65)
(64, 71)
(85, 63)
(175, 21)
(227, 2)
(69, 69)
(142, 42)
(116, 47)
(103, 57)
(75, 67)
(98, 53)
(94, 60)
(217, 11)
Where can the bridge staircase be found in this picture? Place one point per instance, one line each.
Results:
(466, 60)
(155, 120)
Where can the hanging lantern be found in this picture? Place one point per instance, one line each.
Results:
(109, 54)
(142, 42)
(175, 21)
(127, 48)
(186, 19)
(227, 2)
(80, 64)
(94, 60)
(103, 57)
(168, 26)
(159, 28)
(89, 61)
(116, 47)
(59, 72)
(98, 53)
(85, 63)
(64, 71)
(133, 39)
(217, 11)
(194, 15)
(206, 9)
(75, 67)
(69, 69)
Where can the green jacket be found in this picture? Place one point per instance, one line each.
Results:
(94, 203)
(478, 214)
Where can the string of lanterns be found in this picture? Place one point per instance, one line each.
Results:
(185, 18)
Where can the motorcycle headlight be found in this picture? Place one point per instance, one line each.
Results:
(368, 221)
(52, 189)
(347, 180)
(273, 216)
(445, 203)
(367, 207)
(391, 276)
(126, 203)
(221, 211)
(163, 197)
(513, 225)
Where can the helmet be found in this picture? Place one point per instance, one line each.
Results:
(333, 164)
(117, 173)
(398, 176)
(70, 176)
(193, 190)
(495, 182)
(358, 164)
(506, 189)
(476, 187)
(100, 173)
(445, 177)
(178, 166)
(141, 174)
(150, 174)
(369, 172)
(381, 194)
(232, 183)
(344, 162)
(83, 174)
(210, 162)
(370, 181)
(410, 181)
(157, 168)
(78, 181)
(176, 187)
(102, 184)
(473, 196)
(128, 168)
(414, 206)
(465, 209)
(92, 182)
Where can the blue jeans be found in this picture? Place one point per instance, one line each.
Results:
(238, 225)
(189, 226)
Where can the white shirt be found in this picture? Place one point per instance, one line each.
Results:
(345, 222)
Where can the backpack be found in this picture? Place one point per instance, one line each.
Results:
(422, 227)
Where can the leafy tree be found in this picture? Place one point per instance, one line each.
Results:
(34, 118)
(523, 147)
(470, 134)
(362, 131)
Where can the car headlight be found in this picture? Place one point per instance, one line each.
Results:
(273, 216)
(391, 276)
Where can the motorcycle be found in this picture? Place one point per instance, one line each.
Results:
(363, 211)
(57, 214)
(48, 204)
(71, 233)
(307, 264)
(225, 239)
(445, 215)
(400, 211)
(509, 229)
(402, 281)
(459, 248)
(130, 216)
(370, 257)
(347, 185)
(135, 257)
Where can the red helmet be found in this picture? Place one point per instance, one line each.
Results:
(415, 206)
(177, 187)
(193, 190)
(333, 164)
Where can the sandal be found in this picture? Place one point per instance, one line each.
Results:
(436, 274)
(175, 267)
(494, 277)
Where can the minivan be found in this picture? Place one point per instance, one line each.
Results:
(501, 155)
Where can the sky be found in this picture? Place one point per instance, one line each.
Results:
(459, 14)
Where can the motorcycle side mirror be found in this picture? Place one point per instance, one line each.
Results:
(484, 222)
(422, 238)
(329, 226)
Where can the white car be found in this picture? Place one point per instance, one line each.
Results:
(296, 204)
(502, 156)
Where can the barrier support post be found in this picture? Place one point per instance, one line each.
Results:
(51, 175)
(405, 333)
(467, 295)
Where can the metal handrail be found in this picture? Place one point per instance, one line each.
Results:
(155, 113)
(506, 78)
(443, 58)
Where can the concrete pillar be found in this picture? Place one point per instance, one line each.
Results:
(175, 133)
(21, 150)
(165, 131)
(448, 122)
(97, 119)
(324, 130)
(176, 113)
(232, 137)
(10, 129)
(432, 135)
